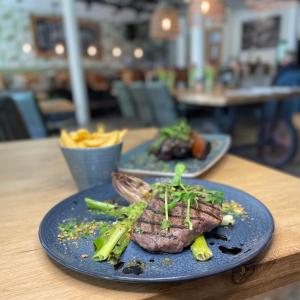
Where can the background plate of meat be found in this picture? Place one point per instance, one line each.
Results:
(231, 246)
(139, 161)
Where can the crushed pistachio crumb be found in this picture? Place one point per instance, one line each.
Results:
(233, 208)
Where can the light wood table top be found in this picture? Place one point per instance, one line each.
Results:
(34, 177)
(221, 97)
(56, 106)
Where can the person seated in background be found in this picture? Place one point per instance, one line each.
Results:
(287, 67)
(288, 74)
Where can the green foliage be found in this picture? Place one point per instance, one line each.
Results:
(180, 131)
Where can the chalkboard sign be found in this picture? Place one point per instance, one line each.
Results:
(48, 32)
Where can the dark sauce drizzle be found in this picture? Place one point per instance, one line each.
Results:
(119, 265)
(231, 251)
(135, 268)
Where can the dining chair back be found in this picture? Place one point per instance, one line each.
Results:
(143, 104)
(31, 114)
(12, 126)
(125, 100)
(163, 105)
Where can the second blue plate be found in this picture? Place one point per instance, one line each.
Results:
(139, 161)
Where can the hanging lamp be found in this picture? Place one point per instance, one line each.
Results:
(214, 9)
(164, 23)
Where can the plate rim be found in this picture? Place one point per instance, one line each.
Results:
(201, 171)
(134, 280)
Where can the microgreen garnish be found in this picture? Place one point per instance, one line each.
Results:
(166, 223)
(179, 170)
(180, 131)
(188, 218)
(176, 191)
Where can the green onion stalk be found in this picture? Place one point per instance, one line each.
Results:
(166, 222)
(112, 210)
(117, 251)
(200, 249)
(113, 240)
(117, 232)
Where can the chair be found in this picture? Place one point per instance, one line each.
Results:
(31, 113)
(129, 76)
(164, 108)
(12, 126)
(143, 104)
(125, 100)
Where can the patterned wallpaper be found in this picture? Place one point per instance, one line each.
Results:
(15, 30)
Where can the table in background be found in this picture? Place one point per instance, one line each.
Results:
(230, 97)
(56, 106)
(34, 177)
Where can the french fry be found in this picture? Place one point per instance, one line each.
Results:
(74, 136)
(81, 144)
(82, 138)
(79, 135)
(93, 143)
(66, 140)
(97, 135)
(111, 140)
(83, 134)
(101, 128)
(121, 134)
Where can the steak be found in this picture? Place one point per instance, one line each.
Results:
(148, 233)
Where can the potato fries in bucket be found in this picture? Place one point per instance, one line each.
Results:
(82, 138)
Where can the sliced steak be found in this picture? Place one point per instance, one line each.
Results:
(149, 235)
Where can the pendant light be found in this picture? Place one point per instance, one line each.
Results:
(213, 9)
(164, 23)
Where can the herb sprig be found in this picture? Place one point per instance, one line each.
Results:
(180, 131)
(176, 191)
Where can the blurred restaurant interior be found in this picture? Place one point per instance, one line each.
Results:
(148, 63)
(132, 64)
(225, 66)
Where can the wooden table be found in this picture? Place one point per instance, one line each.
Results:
(230, 97)
(56, 106)
(34, 177)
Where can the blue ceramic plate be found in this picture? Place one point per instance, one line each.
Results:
(251, 236)
(139, 161)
